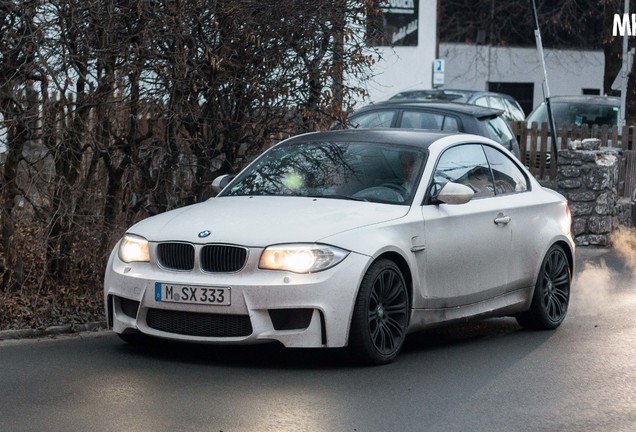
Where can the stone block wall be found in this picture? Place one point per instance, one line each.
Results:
(587, 175)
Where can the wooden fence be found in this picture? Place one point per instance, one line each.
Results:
(535, 145)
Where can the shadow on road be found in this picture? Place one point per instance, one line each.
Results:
(275, 356)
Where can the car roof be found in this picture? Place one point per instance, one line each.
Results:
(462, 94)
(445, 107)
(412, 137)
(597, 100)
(480, 93)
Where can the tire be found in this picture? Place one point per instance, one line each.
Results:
(551, 293)
(380, 315)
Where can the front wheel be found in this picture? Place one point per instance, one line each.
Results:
(380, 316)
(551, 293)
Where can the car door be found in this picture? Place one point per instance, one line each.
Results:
(468, 246)
(514, 200)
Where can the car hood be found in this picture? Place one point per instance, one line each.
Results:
(262, 221)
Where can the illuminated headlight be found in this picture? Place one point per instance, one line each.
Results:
(133, 249)
(301, 258)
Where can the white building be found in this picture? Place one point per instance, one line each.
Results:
(518, 71)
(409, 63)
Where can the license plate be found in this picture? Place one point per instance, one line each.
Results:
(192, 294)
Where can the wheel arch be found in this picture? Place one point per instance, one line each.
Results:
(569, 253)
(403, 265)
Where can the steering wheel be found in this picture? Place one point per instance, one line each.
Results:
(396, 187)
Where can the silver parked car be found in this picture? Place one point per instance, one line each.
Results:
(352, 239)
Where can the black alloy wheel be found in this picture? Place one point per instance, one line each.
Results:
(380, 317)
(551, 293)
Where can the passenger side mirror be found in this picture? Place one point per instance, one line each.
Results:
(219, 183)
(454, 193)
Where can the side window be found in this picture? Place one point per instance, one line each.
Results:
(508, 178)
(496, 103)
(497, 129)
(482, 101)
(515, 110)
(373, 119)
(450, 124)
(466, 164)
(421, 120)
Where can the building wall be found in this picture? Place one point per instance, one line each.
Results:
(569, 71)
(403, 68)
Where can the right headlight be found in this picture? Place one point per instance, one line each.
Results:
(133, 248)
(301, 258)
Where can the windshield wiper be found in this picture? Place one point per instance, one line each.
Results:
(336, 196)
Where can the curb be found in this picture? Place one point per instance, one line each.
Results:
(51, 331)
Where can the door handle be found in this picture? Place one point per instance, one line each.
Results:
(502, 219)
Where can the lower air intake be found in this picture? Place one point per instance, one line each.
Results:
(199, 324)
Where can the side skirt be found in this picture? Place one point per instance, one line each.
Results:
(503, 305)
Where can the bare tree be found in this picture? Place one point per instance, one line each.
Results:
(20, 37)
(119, 110)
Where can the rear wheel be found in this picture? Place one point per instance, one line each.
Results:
(380, 317)
(551, 293)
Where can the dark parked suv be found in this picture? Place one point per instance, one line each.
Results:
(512, 111)
(569, 111)
(579, 110)
(447, 116)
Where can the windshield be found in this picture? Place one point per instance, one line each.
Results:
(339, 170)
(579, 113)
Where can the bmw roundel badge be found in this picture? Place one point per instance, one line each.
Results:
(204, 234)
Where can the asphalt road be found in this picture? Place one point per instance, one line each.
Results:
(489, 376)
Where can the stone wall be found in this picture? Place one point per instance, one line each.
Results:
(587, 175)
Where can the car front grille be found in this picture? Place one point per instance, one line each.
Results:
(199, 324)
(176, 256)
(214, 258)
(223, 258)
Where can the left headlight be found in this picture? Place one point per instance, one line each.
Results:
(133, 248)
(301, 258)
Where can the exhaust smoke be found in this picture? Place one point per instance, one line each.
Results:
(624, 244)
(596, 285)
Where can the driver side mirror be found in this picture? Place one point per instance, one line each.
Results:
(219, 183)
(454, 193)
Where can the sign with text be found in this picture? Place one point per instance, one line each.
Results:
(396, 25)
(438, 72)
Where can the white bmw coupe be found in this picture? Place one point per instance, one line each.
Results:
(349, 239)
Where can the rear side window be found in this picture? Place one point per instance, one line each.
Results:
(496, 103)
(482, 101)
(515, 110)
(428, 120)
(373, 119)
(508, 178)
(497, 129)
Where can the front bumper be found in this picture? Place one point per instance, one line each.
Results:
(297, 310)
